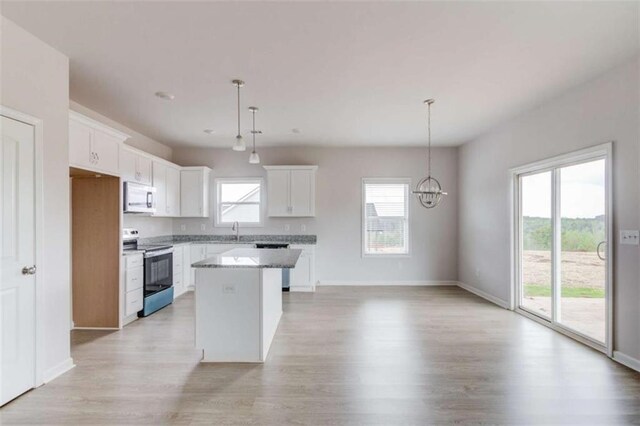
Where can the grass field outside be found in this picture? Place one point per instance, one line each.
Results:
(534, 290)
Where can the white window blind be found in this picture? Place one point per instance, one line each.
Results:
(239, 200)
(386, 216)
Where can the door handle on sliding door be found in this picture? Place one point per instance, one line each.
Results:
(598, 250)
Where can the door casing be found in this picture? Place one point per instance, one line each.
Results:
(602, 151)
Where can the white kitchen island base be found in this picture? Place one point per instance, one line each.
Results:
(237, 312)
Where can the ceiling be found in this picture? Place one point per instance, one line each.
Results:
(344, 74)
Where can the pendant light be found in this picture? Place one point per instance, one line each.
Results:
(239, 143)
(428, 190)
(254, 158)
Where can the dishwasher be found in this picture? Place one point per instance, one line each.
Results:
(286, 272)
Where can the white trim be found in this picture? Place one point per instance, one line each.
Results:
(602, 151)
(423, 283)
(493, 299)
(626, 360)
(385, 180)
(81, 118)
(314, 168)
(261, 204)
(58, 370)
(39, 233)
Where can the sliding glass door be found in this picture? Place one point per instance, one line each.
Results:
(562, 229)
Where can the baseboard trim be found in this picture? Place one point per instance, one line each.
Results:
(58, 370)
(627, 360)
(495, 300)
(307, 289)
(387, 283)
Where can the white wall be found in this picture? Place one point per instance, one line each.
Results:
(606, 109)
(338, 208)
(147, 226)
(35, 81)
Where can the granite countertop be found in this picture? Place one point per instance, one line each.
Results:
(230, 239)
(132, 252)
(252, 258)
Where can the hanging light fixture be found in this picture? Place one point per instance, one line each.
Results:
(428, 190)
(239, 143)
(254, 158)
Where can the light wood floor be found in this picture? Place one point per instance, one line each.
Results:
(360, 355)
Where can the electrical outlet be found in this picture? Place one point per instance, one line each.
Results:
(203, 227)
(183, 227)
(229, 289)
(303, 228)
(287, 227)
(630, 238)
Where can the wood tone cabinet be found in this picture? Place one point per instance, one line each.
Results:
(194, 191)
(291, 191)
(302, 277)
(135, 166)
(94, 146)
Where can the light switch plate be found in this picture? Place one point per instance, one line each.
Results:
(203, 227)
(303, 228)
(630, 238)
(287, 227)
(229, 289)
(183, 227)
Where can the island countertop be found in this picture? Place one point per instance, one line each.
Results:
(252, 258)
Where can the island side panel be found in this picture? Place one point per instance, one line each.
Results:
(271, 307)
(228, 309)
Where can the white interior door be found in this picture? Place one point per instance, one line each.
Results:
(17, 289)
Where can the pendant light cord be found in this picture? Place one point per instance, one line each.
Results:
(429, 131)
(238, 84)
(253, 133)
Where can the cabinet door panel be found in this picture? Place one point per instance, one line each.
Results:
(278, 192)
(79, 144)
(128, 165)
(302, 197)
(191, 193)
(173, 192)
(159, 182)
(106, 149)
(144, 169)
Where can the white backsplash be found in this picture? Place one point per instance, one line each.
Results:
(148, 226)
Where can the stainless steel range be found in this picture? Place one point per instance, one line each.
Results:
(158, 272)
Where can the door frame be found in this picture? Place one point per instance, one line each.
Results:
(602, 151)
(39, 228)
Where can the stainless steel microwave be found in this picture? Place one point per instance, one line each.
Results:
(138, 198)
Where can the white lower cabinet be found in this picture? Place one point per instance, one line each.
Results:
(302, 277)
(133, 286)
(178, 268)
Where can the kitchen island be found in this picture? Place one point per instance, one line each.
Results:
(238, 297)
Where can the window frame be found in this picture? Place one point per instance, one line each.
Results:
(218, 214)
(390, 180)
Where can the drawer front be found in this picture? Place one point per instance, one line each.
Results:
(133, 302)
(134, 278)
(177, 278)
(134, 260)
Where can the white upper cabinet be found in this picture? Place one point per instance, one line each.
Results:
(135, 166)
(194, 191)
(173, 191)
(160, 184)
(166, 181)
(94, 146)
(291, 191)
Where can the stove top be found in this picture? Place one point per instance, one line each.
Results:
(153, 247)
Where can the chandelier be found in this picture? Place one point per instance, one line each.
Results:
(428, 190)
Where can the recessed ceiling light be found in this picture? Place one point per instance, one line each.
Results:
(166, 96)
(209, 131)
(296, 131)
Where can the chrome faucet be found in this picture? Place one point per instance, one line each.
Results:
(236, 227)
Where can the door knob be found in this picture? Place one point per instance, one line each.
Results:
(598, 250)
(29, 270)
